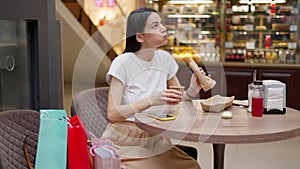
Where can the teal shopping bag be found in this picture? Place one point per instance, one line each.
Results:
(52, 140)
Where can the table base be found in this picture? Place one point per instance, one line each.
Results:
(219, 150)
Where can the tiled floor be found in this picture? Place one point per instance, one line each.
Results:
(275, 155)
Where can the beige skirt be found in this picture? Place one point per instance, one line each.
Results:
(139, 149)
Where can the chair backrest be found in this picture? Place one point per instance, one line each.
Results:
(15, 126)
(91, 106)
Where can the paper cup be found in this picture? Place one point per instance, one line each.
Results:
(179, 88)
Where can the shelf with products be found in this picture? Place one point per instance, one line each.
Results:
(193, 31)
(262, 33)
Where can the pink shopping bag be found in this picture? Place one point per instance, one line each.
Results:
(104, 154)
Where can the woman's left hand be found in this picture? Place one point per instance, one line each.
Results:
(195, 85)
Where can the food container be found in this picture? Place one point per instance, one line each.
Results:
(216, 103)
(201, 9)
(206, 82)
(206, 9)
(179, 88)
(279, 26)
(238, 28)
(188, 9)
(285, 9)
(261, 27)
(280, 45)
(169, 9)
(236, 19)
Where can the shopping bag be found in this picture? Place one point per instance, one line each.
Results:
(52, 140)
(78, 154)
(104, 154)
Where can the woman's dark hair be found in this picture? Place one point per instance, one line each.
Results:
(135, 24)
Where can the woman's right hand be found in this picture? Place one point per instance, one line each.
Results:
(168, 96)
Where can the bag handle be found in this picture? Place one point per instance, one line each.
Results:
(26, 153)
(105, 143)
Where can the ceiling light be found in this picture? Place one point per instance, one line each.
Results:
(261, 1)
(189, 16)
(190, 1)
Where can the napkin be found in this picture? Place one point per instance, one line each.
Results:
(275, 98)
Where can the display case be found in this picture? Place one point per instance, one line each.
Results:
(261, 32)
(249, 31)
(193, 30)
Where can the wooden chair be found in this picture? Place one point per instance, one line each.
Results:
(91, 106)
(15, 125)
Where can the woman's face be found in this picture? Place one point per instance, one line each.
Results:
(155, 34)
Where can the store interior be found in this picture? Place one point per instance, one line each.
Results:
(234, 41)
(212, 31)
(240, 35)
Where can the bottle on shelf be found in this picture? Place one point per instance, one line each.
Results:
(273, 27)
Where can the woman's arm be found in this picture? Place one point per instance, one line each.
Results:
(117, 112)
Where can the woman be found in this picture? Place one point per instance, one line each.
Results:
(139, 80)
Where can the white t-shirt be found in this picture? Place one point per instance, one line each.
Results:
(140, 78)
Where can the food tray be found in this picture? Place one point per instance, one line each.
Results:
(216, 103)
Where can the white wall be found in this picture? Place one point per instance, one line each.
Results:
(83, 60)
